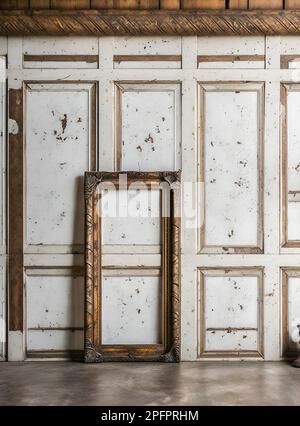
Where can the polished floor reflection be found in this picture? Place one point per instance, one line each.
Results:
(205, 383)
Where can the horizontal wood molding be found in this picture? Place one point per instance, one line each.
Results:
(127, 22)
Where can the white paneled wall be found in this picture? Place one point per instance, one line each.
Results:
(2, 206)
(223, 110)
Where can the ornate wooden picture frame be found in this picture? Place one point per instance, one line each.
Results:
(169, 348)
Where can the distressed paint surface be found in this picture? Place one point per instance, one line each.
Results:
(231, 304)
(293, 313)
(237, 340)
(131, 310)
(231, 168)
(231, 46)
(189, 47)
(60, 45)
(146, 45)
(57, 128)
(60, 340)
(149, 134)
(231, 301)
(142, 227)
(54, 301)
(143, 47)
(293, 163)
(2, 212)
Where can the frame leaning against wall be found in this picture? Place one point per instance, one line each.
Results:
(169, 350)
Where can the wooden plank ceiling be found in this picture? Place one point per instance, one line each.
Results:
(149, 4)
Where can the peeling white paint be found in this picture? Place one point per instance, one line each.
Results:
(13, 127)
(16, 346)
(57, 248)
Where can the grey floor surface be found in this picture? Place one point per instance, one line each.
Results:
(197, 383)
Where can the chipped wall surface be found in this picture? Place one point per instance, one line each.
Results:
(231, 312)
(142, 229)
(57, 154)
(157, 109)
(293, 302)
(293, 176)
(131, 310)
(231, 166)
(214, 108)
(54, 311)
(3, 335)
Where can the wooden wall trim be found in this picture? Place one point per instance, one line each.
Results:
(142, 22)
(15, 203)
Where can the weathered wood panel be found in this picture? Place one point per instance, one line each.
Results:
(135, 22)
(70, 4)
(265, 4)
(14, 4)
(203, 4)
(131, 310)
(143, 228)
(238, 4)
(102, 4)
(15, 200)
(40, 4)
(290, 166)
(148, 127)
(44, 341)
(149, 4)
(232, 52)
(292, 4)
(169, 4)
(3, 257)
(230, 312)
(231, 167)
(58, 123)
(54, 301)
(290, 312)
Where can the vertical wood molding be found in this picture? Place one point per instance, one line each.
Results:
(15, 209)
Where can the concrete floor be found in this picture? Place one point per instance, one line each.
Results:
(205, 383)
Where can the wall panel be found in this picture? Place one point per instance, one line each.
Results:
(148, 127)
(60, 147)
(290, 99)
(132, 308)
(231, 52)
(54, 307)
(230, 312)
(290, 312)
(2, 209)
(58, 123)
(230, 131)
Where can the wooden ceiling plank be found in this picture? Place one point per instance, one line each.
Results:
(169, 4)
(265, 4)
(203, 4)
(238, 4)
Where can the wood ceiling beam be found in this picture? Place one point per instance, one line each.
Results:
(156, 22)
